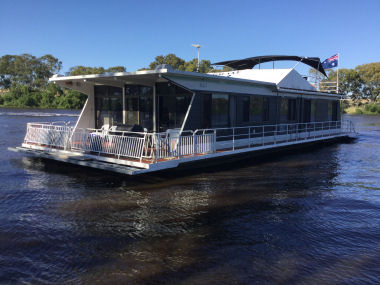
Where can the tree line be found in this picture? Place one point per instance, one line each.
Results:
(359, 83)
(24, 79)
(24, 82)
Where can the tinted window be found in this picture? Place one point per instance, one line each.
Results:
(292, 109)
(173, 103)
(246, 107)
(139, 106)
(108, 106)
(256, 109)
(265, 109)
(219, 110)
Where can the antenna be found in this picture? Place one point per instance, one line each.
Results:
(197, 46)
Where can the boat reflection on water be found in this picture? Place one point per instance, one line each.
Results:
(206, 227)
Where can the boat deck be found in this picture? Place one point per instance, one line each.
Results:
(106, 158)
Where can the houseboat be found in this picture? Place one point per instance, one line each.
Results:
(152, 120)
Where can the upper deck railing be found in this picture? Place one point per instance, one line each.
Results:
(157, 147)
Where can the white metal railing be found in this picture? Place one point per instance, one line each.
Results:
(50, 135)
(119, 144)
(156, 147)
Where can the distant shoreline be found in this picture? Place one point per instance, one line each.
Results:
(361, 108)
(36, 108)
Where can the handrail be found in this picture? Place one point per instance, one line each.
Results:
(155, 147)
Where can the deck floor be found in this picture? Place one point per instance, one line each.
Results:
(149, 161)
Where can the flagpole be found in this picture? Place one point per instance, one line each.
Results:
(337, 77)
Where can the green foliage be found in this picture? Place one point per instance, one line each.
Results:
(350, 82)
(372, 108)
(52, 96)
(115, 69)
(171, 59)
(370, 74)
(178, 63)
(362, 82)
(358, 111)
(85, 70)
(204, 65)
(27, 69)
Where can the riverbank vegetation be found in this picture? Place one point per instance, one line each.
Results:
(361, 107)
(361, 85)
(24, 82)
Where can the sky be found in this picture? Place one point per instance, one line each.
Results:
(132, 33)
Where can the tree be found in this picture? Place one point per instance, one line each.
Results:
(27, 69)
(370, 74)
(178, 63)
(350, 83)
(85, 70)
(174, 61)
(204, 65)
(116, 69)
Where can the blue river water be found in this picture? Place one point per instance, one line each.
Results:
(306, 217)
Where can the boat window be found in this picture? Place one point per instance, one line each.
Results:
(139, 106)
(306, 111)
(284, 109)
(246, 106)
(313, 110)
(206, 111)
(256, 109)
(334, 115)
(108, 105)
(173, 103)
(265, 109)
(292, 109)
(220, 110)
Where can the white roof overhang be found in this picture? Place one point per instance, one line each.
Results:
(191, 80)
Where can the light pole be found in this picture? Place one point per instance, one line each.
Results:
(197, 46)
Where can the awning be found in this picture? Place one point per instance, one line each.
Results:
(250, 62)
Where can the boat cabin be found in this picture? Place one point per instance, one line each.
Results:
(164, 99)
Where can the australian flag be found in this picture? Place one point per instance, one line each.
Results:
(331, 62)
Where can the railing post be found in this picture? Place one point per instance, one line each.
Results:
(329, 134)
(275, 135)
(287, 132)
(155, 145)
(249, 137)
(179, 147)
(214, 141)
(233, 138)
(194, 143)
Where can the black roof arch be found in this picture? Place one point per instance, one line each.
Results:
(250, 62)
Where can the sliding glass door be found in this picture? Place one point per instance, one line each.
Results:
(139, 106)
(173, 103)
(108, 106)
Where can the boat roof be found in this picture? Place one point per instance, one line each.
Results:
(251, 62)
(277, 79)
(146, 76)
(286, 78)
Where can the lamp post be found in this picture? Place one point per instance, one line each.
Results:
(197, 46)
